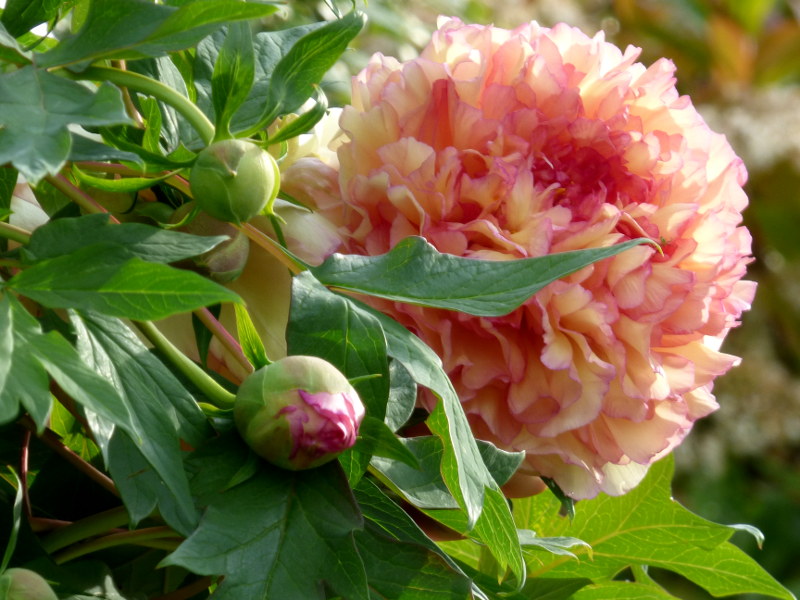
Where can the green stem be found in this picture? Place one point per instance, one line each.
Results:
(188, 591)
(158, 90)
(78, 196)
(14, 233)
(115, 539)
(85, 528)
(217, 394)
(10, 263)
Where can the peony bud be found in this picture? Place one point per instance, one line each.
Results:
(298, 413)
(226, 261)
(233, 180)
(25, 584)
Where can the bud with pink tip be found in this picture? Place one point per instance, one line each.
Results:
(298, 413)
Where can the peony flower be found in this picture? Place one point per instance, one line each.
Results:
(500, 144)
(298, 413)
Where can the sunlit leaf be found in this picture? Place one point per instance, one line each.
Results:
(135, 29)
(645, 527)
(107, 278)
(413, 271)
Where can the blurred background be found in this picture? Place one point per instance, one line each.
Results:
(739, 60)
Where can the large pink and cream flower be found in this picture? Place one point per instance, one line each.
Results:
(500, 144)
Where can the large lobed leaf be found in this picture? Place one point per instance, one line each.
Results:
(35, 108)
(148, 467)
(645, 527)
(280, 534)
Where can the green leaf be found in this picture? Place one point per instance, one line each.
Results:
(422, 485)
(174, 128)
(376, 439)
(8, 181)
(19, 16)
(398, 557)
(233, 75)
(135, 29)
(304, 122)
(106, 278)
(622, 590)
(63, 236)
(646, 527)
(252, 345)
(121, 185)
(16, 520)
(149, 471)
(269, 47)
(72, 433)
(298, 73)
(393, 521)
(35, 109)
(462, 467)
(402, 396)
(500, 463)
(260, 532)
(415, 272)
(36, 354)
(10, 50)
(553, 545)
(327, 325)
(84, 148)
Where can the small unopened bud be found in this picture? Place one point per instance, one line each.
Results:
(24, 584)
(233, 180)
(298, 413)
(226, 261)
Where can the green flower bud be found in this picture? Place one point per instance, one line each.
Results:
(226, 261)
(298, 413)
(233, 180)
(27, 585)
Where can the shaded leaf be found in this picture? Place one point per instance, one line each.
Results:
(84, 148)
(16, 520)
(422, 486)
(63, 236)
(415, 272)
(376, 439)
(500, 463)
(402, 396)
(463, 470)
(148, 472)
(19, 16)
(34, 356)
(259, 532)
(327, 325)
(387, 519)
(35, 108)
